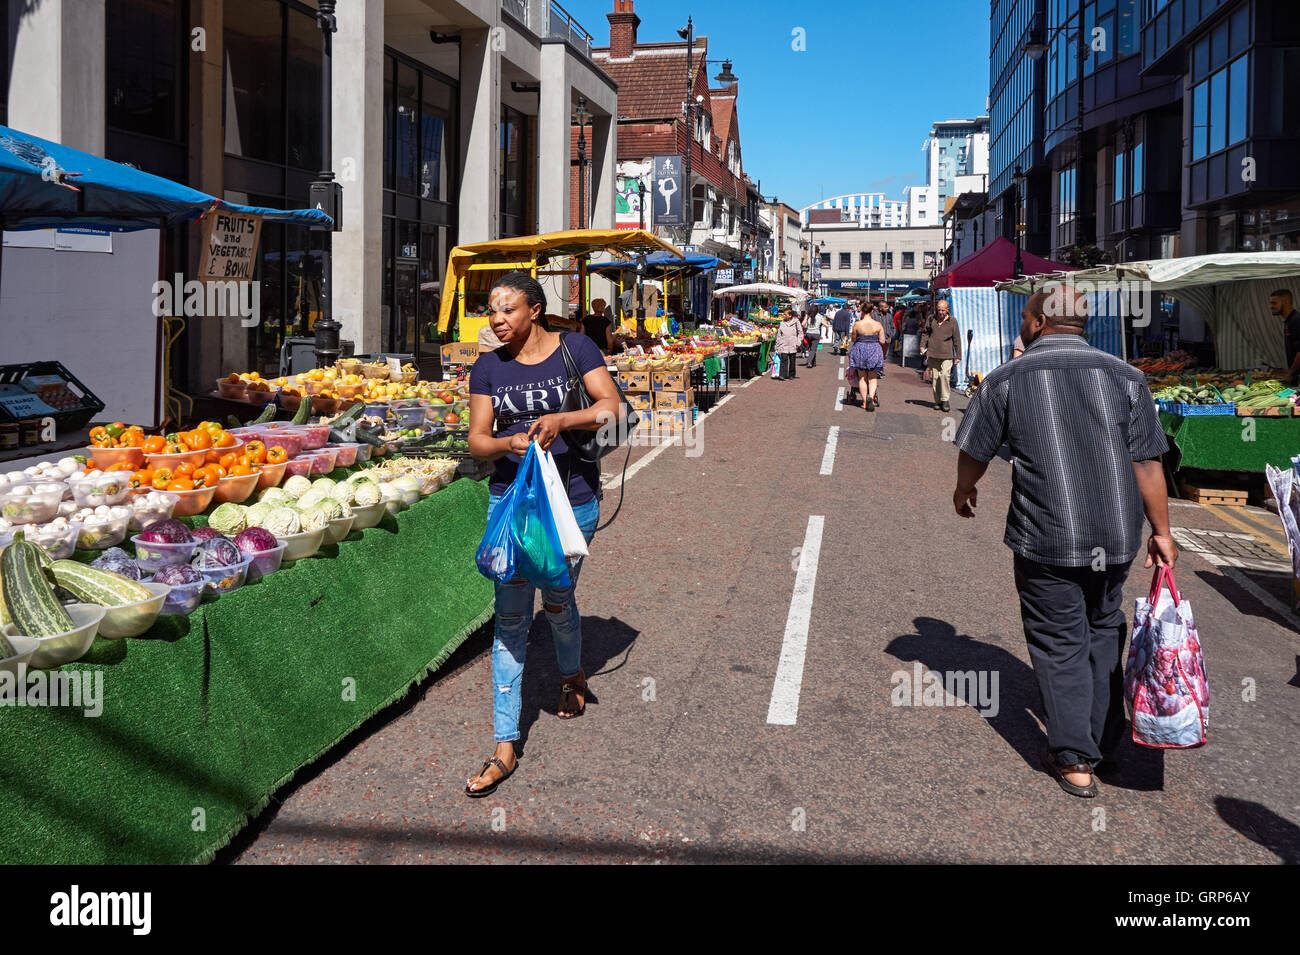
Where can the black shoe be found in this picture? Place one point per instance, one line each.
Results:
(946, 406)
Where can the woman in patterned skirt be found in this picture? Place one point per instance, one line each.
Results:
(867, 357)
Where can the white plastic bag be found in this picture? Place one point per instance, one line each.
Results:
(571, 539)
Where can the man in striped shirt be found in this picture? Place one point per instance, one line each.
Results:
(1086, 445)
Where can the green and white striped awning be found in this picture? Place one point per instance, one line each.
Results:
(1229, 289)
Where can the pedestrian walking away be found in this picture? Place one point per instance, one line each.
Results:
(813, 333)
(941, 345)
(841, 325)
(788, 334)
(867, 358)
(516, 393)
(1087, 446)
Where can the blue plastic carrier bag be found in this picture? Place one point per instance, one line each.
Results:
(496, 551)
(539, 556)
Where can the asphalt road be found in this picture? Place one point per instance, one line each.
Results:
(745, 621)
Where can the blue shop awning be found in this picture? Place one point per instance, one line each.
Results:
(657, 262)
(45, 184)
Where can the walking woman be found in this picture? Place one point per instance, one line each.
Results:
(867, 357)
(515, 395)
(788, 334)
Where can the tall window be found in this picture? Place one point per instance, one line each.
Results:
(1220, 105)
(514, 173)
(887, 260)
(1119, 174)
(143, 72)
(846, 260)
(864, 260)
(909, 260)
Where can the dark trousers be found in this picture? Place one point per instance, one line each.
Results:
(812, 350)
(1075, 625)
(787, 364)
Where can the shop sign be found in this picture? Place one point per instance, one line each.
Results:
(229, 246)
(667, 199)
(749, 275)
(724, 277)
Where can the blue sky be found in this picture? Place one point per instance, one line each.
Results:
(875, 74)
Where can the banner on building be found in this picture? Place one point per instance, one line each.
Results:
(667, 202)
(229, 246)
(769, 256)
(632, 178)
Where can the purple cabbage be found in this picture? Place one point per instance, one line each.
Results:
(170, 531)
(254, 540)
(217, 552)
(177, 575)
(117, 561)
(207, 534)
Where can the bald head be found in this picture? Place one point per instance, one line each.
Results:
(1062, 306)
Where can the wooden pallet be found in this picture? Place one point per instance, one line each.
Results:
(1224, 498)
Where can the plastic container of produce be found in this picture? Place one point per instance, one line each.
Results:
(266, 562)
(105, 458)
(195, 458)
(23, 647)
(288, 438)
(377, 409)
(349, 366)
(70, 645)
(271, 475)
(133, 619)
(192, 502)
(412, 417)
(101, 532)
(154, 556)
(367, 515)
(349, 391)
(363, 452)
(300, 465)
(298, 546)
(325, 460)
(103, 487)
(222, 580)
(59, 540)
(232, 389)
(33, 502)
(338, 529)
(314, 436)
(183, 598)
(149, 508)
(347, 454)
(236, 489)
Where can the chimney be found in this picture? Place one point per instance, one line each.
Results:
(622, 30)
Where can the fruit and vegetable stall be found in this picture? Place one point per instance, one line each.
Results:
(220, 585)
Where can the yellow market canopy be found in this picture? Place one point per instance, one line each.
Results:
(474, 267)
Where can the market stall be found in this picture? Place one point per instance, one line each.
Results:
(754, 356)
(669, 272)
(1204, 411)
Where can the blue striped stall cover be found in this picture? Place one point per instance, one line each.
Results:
(994, 319)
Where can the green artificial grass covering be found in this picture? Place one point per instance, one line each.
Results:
(1229, 443)
(217, 710)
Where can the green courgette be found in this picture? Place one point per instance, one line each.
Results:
(29, 597)
(267, 415)
(90, 585)
(304, 410)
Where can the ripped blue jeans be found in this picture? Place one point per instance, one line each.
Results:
(514, 602)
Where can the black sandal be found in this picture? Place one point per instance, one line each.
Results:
(490, 789)
(573, 686)
(1084, 792)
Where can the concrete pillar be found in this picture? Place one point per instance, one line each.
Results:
(480, 127)
(58, 70)
(554, 140)
(358, 164)
(604, 170)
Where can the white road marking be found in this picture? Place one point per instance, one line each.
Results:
(676, 442)
(783, 709)
(839, 399)
(828, 456)
(751, 381)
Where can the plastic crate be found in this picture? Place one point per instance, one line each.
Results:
(1191, 411)
(67, 419)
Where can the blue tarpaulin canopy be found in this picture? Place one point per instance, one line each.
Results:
(830, 300)
(45, 184)
(657, 262)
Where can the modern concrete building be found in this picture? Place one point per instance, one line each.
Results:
(871, 210)
(857, 261)
(955, 147)
(451, 123)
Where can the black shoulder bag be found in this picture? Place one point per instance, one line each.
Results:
(591, 446)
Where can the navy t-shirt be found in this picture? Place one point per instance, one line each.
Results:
(521, 394)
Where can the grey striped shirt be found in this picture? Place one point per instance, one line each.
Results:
(1075, 420)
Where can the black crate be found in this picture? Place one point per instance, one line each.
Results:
(68, 420)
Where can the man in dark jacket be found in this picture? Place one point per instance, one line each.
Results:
(941, 345)
(841, 325)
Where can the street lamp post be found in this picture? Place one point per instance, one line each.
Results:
(1018, 178)
(687, 33)
(640, 189)
(326, 328)
(582, 117)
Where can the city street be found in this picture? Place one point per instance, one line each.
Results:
(744, 620)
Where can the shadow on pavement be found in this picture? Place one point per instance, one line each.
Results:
(937, 646)
(1262, 826)
(1276, 585)
(606, 645)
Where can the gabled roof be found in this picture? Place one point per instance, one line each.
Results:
(651, 82)
(722, 103)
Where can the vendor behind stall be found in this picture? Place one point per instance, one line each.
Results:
(1282, 304)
